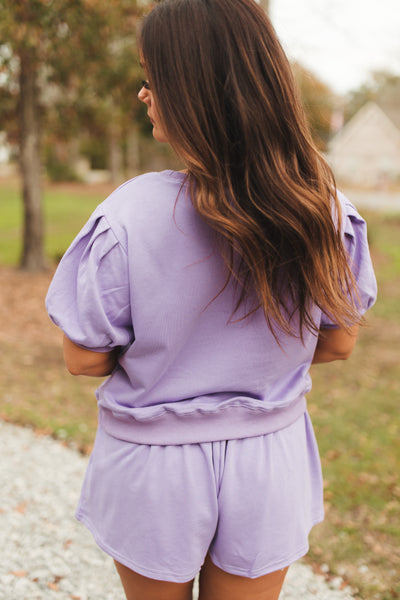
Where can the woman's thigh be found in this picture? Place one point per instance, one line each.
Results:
(216, 584)
(138, 587)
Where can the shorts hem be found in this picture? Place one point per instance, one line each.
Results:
(271, 567)
(150, 573)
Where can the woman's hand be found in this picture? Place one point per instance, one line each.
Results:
(80, 361)
(335, 344)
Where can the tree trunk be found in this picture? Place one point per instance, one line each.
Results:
(33, 253)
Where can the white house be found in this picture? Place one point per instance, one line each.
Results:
(366, 151)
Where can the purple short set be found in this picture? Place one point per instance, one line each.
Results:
(145, 275)
(249, 502)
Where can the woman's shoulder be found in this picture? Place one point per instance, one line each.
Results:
(348, 208)
(144, 192)
(152, 184)
(147, 198)
(352, 221)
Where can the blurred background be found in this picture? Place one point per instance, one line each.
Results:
(72, 129)
(69, 76)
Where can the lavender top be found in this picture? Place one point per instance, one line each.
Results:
(144, 274)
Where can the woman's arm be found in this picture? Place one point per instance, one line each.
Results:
(335, 344)
(80, 361)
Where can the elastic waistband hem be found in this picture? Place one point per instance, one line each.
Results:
(172, 429)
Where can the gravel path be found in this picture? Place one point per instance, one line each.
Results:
(46, 554)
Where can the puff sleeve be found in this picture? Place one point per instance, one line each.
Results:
(89, 298)
(356, 243)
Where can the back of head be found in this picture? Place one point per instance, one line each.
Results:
(222, 81)
(227, 99)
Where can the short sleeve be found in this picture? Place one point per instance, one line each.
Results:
(356, 243)
(89, 295)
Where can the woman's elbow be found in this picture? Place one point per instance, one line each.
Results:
(335, 344)
(73, 367)
(77, 360)
(344, 354)
(89, 370)
(346, 350)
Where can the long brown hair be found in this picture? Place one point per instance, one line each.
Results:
(227, 99)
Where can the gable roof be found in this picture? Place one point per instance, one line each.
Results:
(393, 112)
(359, 124)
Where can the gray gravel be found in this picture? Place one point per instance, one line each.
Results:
(45, 553)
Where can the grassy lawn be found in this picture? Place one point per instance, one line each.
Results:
(354, 405)
(355, 410)
(66, 209)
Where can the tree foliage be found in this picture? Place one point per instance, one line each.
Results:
(63, 54)
(84, 52)
(382, 88)
(319, 102)
(69, 73)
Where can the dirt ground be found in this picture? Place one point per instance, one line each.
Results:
(35, 387)
(23, 316)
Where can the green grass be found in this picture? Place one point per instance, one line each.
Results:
(65, 212)
(355, 411)
(354, 405)
(11, 219)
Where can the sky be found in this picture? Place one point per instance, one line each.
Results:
(341, 41)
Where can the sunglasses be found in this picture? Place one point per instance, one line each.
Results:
(145, 84)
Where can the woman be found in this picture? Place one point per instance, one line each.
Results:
(206, 295)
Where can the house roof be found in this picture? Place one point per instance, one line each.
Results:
(393, 112)
(359, 123)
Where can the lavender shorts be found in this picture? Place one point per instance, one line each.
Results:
(250, 503)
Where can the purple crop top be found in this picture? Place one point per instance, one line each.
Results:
(144, 274)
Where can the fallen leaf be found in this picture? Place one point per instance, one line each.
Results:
(370, 478)
(53, 586)
(332, 455)
(21, 508)
(19, 573)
